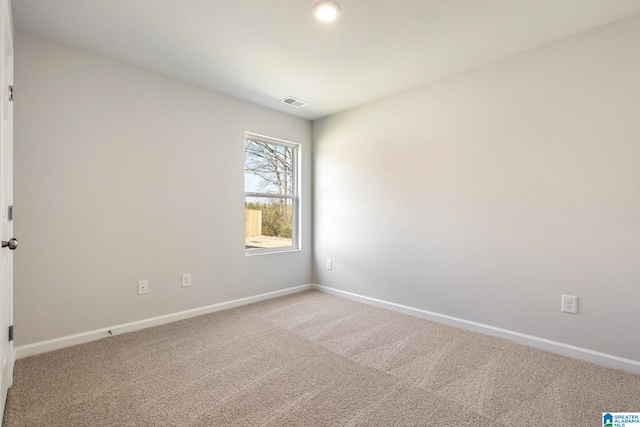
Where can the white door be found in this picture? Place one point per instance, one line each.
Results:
(6, 200)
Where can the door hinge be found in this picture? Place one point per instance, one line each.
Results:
(10, 213)
(11, 333)
(10, 93)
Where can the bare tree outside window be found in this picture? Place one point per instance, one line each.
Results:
(270, 199)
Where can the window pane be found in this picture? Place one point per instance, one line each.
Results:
(268, 168)
(268, 222)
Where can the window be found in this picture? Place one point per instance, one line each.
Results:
(271, 202)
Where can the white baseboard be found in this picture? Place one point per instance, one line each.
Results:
(580, 353)
(68, 341)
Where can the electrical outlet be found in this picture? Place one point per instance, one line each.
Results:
(570, 304)
(186, 280)
(143, 287)
(329, 264)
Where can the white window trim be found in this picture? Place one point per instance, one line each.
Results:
(296, 241)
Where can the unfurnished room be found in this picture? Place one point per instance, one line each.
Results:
(320, 213)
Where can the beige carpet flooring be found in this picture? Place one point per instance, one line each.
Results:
(311, 359)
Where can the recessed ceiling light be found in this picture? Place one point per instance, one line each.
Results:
(326, 10)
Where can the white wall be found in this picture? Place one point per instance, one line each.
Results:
(122, 174)
(487, 195)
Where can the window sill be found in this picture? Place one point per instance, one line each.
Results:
(254, 252)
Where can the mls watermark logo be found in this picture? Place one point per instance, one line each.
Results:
(607, 420)
(620, 419)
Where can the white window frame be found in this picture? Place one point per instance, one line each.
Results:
(294, 196)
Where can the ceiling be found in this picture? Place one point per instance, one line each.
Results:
(265, 50)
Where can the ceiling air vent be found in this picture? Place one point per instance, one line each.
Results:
(295, 102)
